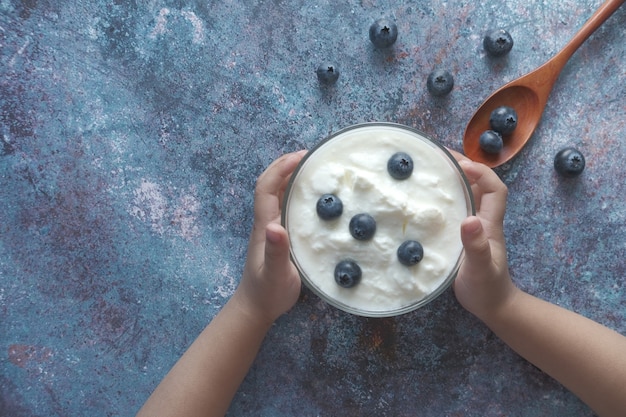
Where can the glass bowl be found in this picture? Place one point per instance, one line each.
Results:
(427, 207)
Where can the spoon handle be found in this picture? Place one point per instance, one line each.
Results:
(594, 22)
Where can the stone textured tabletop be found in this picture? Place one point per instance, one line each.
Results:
(132, 134)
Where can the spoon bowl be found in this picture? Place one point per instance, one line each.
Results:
(528, 95)
(526, 102)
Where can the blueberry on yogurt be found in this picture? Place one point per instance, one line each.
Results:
(347, 274)
(329, 207)
(362, 226)
(410, 252)
(400, 166)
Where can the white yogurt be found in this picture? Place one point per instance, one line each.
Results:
(428, 207)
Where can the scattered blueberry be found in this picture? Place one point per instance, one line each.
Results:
(503, 119)
(400, 166)
(569, 162)
(347, 274)
(329, 207)
(383, 33)
(439, 82)
(362, 226)
(498, 42)
(410, 252)
(490, 141)
(327, 73)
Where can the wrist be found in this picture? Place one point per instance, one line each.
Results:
(254, 315)
(498, 316)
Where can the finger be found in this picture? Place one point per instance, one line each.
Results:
(270, 185)
(457, 155)
(489, 191)
(464, 162)
(273, 176)
(476, 245)
(277, 260)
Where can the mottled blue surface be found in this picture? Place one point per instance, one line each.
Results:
(131, 137)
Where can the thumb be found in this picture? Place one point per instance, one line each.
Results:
(476, 243)
(276, 248)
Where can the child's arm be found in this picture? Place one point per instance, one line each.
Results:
(586, 357)
(205, 379)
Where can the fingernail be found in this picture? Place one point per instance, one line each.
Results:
(272, 236)
(472, 225)
(299, 154)
(465, 163)
(296, 155)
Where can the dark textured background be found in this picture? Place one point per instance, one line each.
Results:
(131, 137)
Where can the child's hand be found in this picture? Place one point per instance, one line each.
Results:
(271, 284)
(483, 284)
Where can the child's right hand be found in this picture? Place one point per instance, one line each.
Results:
(271, 284)
(483, 284)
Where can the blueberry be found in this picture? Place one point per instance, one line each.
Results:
(498, 42)
(362, 226)
(400, 165)
(383, 33)
(503, 119)
(439, 82)
(569, 162)
(410, 252)
(327, 73)
(329, 207)
(347, 274)
(490, 141)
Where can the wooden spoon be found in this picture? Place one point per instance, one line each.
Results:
(528, 95)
